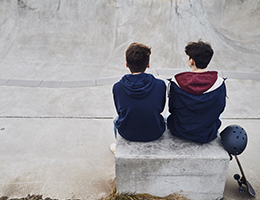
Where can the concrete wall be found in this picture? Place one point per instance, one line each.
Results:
(41, 38)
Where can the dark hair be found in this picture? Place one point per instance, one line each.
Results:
(200, 52)
(137, 57)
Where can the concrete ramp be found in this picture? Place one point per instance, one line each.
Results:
(71, 40)
(236, 20)
(54, 138)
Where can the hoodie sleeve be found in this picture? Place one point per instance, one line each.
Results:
(114, 90)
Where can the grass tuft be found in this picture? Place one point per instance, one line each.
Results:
(133, 196)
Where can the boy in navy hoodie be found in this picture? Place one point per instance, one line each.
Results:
(196, 98)
(139, 98)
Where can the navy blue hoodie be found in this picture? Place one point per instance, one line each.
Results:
(196, 101)
(139, 101)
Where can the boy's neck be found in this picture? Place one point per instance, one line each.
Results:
(197, 70)
(135, 73)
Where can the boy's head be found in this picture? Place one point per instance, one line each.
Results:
(137, 57)
(200, 52)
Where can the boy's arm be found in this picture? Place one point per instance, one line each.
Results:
(115, 99)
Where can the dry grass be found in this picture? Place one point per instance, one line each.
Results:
(112, 196)
(128, 196)
(132, 196)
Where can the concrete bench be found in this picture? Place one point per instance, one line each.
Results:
(171, 165)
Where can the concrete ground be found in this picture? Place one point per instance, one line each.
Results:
(59, 60)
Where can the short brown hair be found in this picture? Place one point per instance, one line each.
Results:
(137, 57)
(200, 52)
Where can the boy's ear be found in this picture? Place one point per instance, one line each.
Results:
(148, 65)
(192, 62)
(126, 65)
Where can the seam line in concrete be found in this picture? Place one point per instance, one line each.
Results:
(236, 118)
(54, 117)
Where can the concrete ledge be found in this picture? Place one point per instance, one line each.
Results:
(107, 81)
(241, 75)
(171, 165)
(111, 80)
(79, 83)
(51, 84)
(23, 83)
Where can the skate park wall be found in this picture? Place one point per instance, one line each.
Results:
(39, 39)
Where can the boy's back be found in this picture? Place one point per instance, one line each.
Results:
(139, 100)
(196, 98)
(195, 117)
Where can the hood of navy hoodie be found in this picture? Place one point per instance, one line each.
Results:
(137, 86)
(198, 103)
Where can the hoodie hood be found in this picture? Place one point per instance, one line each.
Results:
(196, 83)
(198, 103)
(137, 86)
(200, 99)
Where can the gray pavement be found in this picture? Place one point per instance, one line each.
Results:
(55, 141)
(59, 60)
(56, 157)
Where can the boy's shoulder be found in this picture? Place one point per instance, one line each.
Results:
(157, 79)
(116, 85)
(160, 82)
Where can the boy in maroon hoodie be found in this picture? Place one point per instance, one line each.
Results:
(196, 98)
